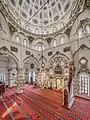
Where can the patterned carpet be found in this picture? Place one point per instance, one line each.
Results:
(37, 104)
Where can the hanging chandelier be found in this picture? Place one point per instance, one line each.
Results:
(42, 75)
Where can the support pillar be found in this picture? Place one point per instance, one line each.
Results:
(9, 77)
(20, 80)
(68, 91)
(71, 98)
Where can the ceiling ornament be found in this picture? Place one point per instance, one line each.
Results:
(83, 61)
(87, 4)
(83, 65)
(30, 38)
(31, 12)
(12, 28)
(48, 40)
(68, 31)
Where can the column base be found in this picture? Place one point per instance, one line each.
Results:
(71, 102)
(65, 107)
(19, 91)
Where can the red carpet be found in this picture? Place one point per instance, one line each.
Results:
(37, 104)
(2, 111)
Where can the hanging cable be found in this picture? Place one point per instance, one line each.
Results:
(36, 12)
(42, 64)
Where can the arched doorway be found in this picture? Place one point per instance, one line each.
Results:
(8, 67)
(8, 70)
(30, 70)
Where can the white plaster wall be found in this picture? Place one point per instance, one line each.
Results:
(82, 16)
(4, 32)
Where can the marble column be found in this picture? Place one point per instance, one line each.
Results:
(68, 91)
(71, 98)
(9, 77)
(20, 80)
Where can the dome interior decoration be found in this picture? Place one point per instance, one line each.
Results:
(53, 13)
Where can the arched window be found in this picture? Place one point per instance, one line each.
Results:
(61, 25)
(84, 84)
(27, 27)
(39, 47)
(18, 21)
(54, 43)
(62, 40)
(17, 38)
(88, 28)
(43, 47)
(51, 71)
(45, 32)
(54, 29)
(36, 47)
(24, 42)
(80, 32)
(36, 31)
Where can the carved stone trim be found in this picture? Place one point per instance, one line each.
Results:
(83, 46)
(30, 57)
(12, 28)
(5, 50)
(83, 66)
(60, 54)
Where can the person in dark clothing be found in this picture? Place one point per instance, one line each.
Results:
(2, 88)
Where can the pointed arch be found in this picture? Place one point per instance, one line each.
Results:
(58, 53)
(43, 57)
(83, 46)
(31, 56)
(5, 50)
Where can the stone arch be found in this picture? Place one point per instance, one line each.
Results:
(5, 50)
(31, 66)
(60, 64)
(59, 54)
(8, 73)
(82, 47)
(43, 58)
(31, 56)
